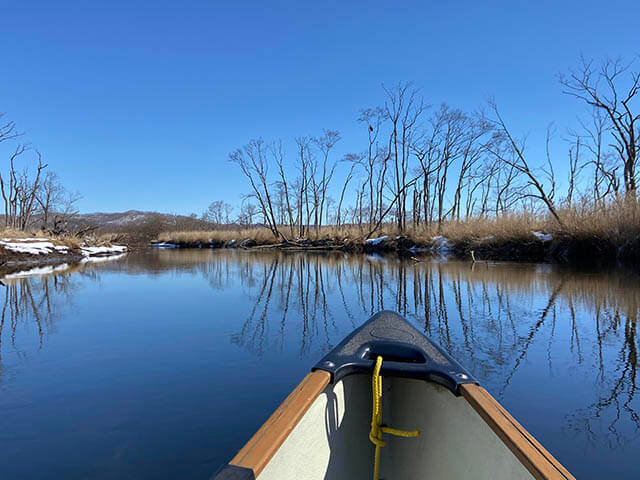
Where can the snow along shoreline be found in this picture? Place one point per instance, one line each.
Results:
(46, 251)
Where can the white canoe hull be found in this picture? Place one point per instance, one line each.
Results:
(321, 431)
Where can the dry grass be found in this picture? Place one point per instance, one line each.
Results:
(615, 225)
(511, 228)
(13, 233)
(506, 228)
(70, 241)
(262, 236)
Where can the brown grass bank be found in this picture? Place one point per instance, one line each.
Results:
(587, 235)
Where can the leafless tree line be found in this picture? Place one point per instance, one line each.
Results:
(423, 166)
(33, 196)
(299, 204)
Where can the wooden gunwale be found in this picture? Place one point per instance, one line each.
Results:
(535, 458)
(259, 450)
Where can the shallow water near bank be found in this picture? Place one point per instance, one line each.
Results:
(162, 363)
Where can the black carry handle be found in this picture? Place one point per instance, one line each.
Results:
(392, 352)
(405, 351)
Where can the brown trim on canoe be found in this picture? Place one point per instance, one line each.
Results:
(267, 440)
(540, 463)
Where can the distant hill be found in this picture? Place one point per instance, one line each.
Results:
(131, 218)
(139, 226)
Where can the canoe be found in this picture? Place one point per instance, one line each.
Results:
(389, 403)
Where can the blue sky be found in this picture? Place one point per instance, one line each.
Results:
(137, 104)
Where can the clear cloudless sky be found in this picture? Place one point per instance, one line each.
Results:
(137, 104)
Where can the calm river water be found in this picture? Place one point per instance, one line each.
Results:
(161, 364)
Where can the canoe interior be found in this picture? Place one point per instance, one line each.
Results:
(331, 439)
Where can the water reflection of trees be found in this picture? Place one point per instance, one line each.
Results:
(493, 318)
(499, 320)
(32, 303)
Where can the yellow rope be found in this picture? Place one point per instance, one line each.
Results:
(375, 435)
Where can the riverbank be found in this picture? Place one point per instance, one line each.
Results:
(18, 252)
(582, 239)
(536, 247)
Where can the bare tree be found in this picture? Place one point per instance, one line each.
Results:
(403, 110)
(65, 213)
(574, 169)
(472, 152)
(51, 196)
(218, 212)
(278, 155)
(247, 213)
(453, 131)
(354, 160)
(603, 89)
(252, 161)
(8, 190)
(605, 171)
(383, 214)
(303, 184)
(533, 186)
(19, 195)
(7, 129)
(325, 144)
(373, 118)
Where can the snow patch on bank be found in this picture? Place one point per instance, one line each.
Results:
(32, 246)
(545, 237)
(101, 251)
(376, 241)
(164, 245)
(45, 246)
(102, 258)
(441, 245)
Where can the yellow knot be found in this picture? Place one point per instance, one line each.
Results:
(375, 435)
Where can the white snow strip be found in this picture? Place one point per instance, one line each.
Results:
(104, 258)
(164, 245)
(545, 237)
(32, 248)
(376, 241)
(45, 246)
(113, 249)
